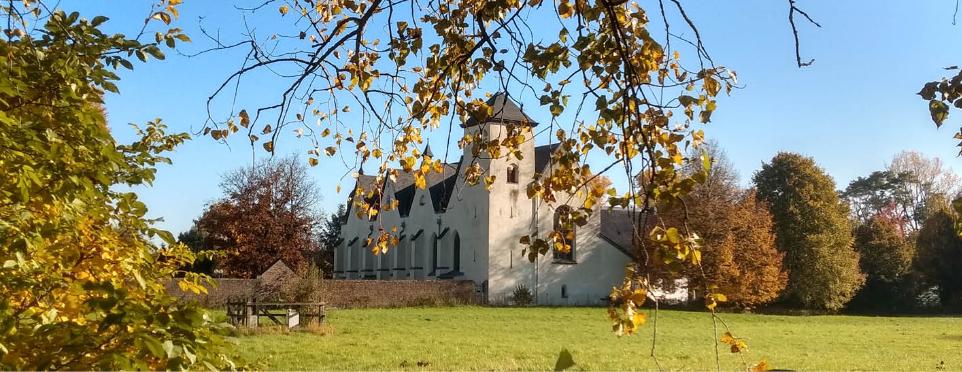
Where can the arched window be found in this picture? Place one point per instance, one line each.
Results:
(564, 225)
(353, 258)
(513, 173)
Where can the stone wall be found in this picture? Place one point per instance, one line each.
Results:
(352, 293)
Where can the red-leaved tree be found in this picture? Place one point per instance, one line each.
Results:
(269, 212)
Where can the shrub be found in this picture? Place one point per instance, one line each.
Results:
(305, 286)
(522, 296)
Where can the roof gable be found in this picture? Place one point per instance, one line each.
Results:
(503, 110)
(542, 156)
(617, 227)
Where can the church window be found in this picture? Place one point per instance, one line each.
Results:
(564, 291)
(513, 173)
(564, 225)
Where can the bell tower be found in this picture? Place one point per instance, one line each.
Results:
(509, 212)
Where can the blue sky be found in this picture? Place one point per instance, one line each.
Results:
(852, 110)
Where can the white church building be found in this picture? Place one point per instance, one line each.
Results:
(452, 231)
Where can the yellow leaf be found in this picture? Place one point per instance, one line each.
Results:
(489, 182)
(283, 9)
(638, 320)
(408, 163)
(312, 161)
(638, 296)
(269, 146)
(419, 180)
(762, 366)
(727, 338)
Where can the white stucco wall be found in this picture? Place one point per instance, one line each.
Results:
(488, 225)
(599, 267)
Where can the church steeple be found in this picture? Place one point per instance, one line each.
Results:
(427, 151)
(503, 111)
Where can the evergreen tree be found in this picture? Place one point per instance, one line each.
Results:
(885, 256)
(812, 228)
(197, 242)
(330, 238)
(939, 258)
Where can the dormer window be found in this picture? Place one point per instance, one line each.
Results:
(513, 173)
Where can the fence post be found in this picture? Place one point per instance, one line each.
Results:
(250, 310)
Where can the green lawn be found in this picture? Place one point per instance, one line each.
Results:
(531, 338)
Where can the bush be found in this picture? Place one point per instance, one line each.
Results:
(305, 286)
(522, 296)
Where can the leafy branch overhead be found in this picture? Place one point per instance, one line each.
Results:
(942, 95)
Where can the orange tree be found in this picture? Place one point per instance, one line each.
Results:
(81, 277)
(738, 240)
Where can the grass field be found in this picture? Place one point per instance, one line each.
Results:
(479, 338)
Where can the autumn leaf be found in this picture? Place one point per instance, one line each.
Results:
(245, 120)
(419, 180)
(283, 9)
(638, 296)
(939, 111)
(489, 181)
(761, 366)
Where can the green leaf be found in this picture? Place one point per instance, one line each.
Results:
(98, 20)
(673, 236)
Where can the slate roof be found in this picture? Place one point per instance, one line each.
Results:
(504, 110)
(542, 156)
(442, 190)
(366, 183)
(617, 228)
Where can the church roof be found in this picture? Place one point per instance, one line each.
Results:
(504, 110)
(617, 227)
(441, 191)
(440, 186)
(366, 183)
(542, 156)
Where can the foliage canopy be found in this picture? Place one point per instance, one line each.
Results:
(812, 228)
(269, 212)
(82, 279)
